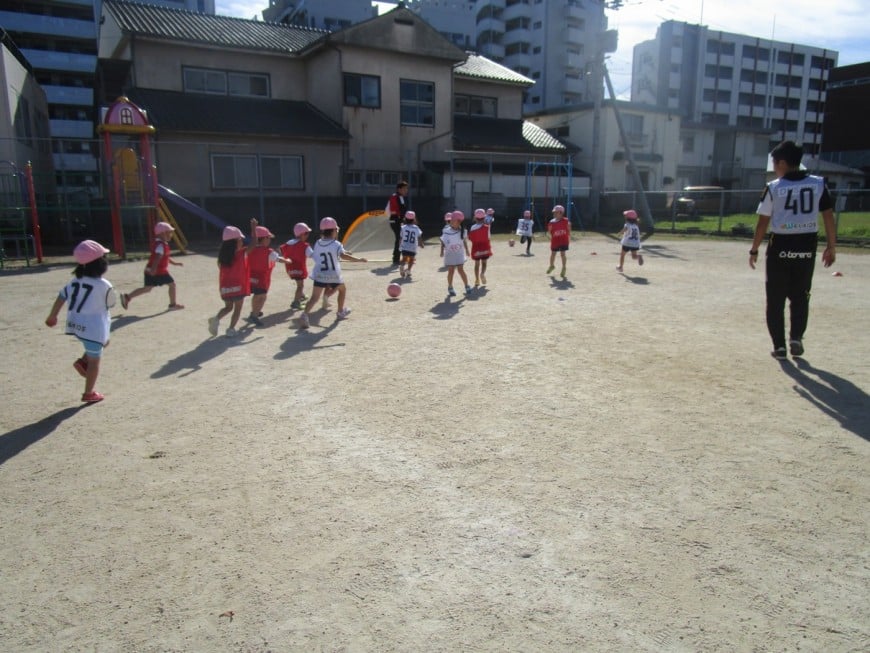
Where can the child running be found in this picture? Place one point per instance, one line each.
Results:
(297, 251)
(559, 229)
(234, 278)
(261, 261)
(481, 247)
(410, 238)
(454, 249)
(157, 268)
(525, 230)
(328, 252)
(89, 298)
(630, 239)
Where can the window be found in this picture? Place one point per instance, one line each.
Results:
(791, 103)
(237, 171)
(634, 127)
(753, 76)
(688, 143)
(223, 82)
(353, 178)
(391, 179)
(475, 105)
(754, 52)
(284, 172)
(233, 171)
(362, 91)
(790, 57)
(373, 178)
(417, 103)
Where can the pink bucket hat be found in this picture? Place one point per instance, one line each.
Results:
(301, 228)
(162, 227)
(457, 215)
(527, 214)
(410, 215)
(232, 233)
(263, 232)
(479, 214)
(631, 214)
(448, 216)
(559, 208)
(87, 251)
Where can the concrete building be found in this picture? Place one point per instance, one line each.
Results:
(719, 78)
(846, 135)
(330, 15)
(552, 43)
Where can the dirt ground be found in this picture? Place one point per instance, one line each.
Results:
(611, 463)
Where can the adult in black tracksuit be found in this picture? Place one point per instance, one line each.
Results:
(790, 206)
(397, 207)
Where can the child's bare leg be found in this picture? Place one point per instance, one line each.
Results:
(315, 297)
(92, 373)
(476, 271)
(483, 271)
(228, 306)
(172, 292)
(139, 291)
(621, 258)
(257, 304)
(450, 276)
(342, 293)
(298, 296)
(462, 275)
(237, 311)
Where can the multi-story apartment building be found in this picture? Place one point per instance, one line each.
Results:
(846, 139)
(58, 38)
(711, 77)
(554, 42)
(330, 15)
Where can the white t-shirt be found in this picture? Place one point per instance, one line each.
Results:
(88, 302)
(409, 237)
(454, 247)
(525, 227)
(631, 235)
(793, 204)
(327, 261)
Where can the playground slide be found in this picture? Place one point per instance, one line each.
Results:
(171, 196)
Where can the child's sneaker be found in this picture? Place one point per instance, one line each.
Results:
(640, 259)
(231, 332)
(213, 326)
(550, 269)
(619, 268)
(81, 366)
(482, 279)
(467, 290)
(343, 313)
(563, 273)
(92, 397)
(304, 322)
(796, 347)
(451, 292)
(779, 353)
(295, 305)
(125, 301)
(175, 307)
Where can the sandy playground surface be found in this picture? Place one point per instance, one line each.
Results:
(612, 463)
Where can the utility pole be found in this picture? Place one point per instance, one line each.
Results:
(644, 205)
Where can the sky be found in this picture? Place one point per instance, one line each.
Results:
(839, 25)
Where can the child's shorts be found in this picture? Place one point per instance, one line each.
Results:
(410, 255)
(259, 291)
(560, 248)
(92, 349)
(628, 248)
(152, 280)
(323, 284)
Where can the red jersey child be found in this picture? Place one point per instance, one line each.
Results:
(559, 229)
(481, 246)
(261, 262)
(297, 251)
(157, 268)
(234, 278)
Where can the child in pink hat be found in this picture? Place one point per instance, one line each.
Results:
(89, 298)
(157, 268)
(261, 261)
(234, 279)
(630, 239)
(296, 252)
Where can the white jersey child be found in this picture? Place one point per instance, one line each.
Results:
(409, 237)
(631, 235)
(326, 253)
(454, 247)
(525, 226)
(88, 302)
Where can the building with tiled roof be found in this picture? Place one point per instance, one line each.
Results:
(265, 114)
